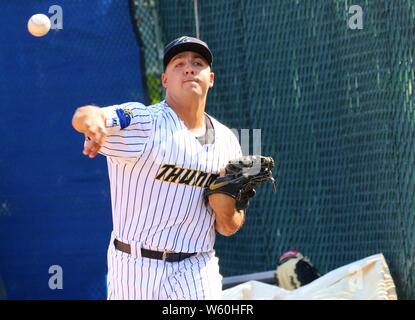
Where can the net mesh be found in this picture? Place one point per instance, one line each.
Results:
(336, 110)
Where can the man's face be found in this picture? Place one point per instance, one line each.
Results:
(187, 74)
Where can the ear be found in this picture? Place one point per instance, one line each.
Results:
(212, 79)
(164, 80)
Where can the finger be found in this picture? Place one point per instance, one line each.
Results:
(93, 140)
(91, 148)
(94, 150)
(98, 134)
(102, 135)
(87, 148)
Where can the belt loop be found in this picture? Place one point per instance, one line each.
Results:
(165, 253)
(164, 256)
(136, 249)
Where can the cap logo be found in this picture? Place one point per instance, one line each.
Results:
(183, 40)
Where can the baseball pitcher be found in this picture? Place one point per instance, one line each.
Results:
(168, 196)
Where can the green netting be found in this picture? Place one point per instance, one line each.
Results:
(336, 110)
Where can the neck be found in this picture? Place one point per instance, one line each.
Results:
(191, 112)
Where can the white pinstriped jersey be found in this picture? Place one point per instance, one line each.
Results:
(158, 171)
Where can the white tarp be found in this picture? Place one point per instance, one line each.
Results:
(366, 279)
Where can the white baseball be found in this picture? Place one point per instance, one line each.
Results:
(38, 25)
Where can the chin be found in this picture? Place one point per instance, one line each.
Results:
(193, 91)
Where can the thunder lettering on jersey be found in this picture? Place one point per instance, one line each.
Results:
(158, 171)
(174, 174)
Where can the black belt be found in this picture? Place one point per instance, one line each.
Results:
(159, 255)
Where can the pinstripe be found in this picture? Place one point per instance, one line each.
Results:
(126, 137)
(180, 286)
(189, 291)
(110, 275)
(190, 202)
(129, 215)
(146, 214)
(142, 193)
(111, 174)
(130, 152)
(135, 288)
(125, 144)
(171, 291)
(142, 270)
(145, 184)
(212, 216)
(166, 281)
(166, 194)
(199, 215)
(116, 191)
(121, 196)
(128, 198)
(117, 281)
(127, 281)
(160, 286)
(207, 281)
(168, 189)
(144, 130)
(147, 272)
(168, 186)
(138, 108)
(145, 122)
(122, 275)
(114, 281)
(181, 199)
(149, 289)
(198, 210)
(141, 117)
(193, 278)
(196, 286)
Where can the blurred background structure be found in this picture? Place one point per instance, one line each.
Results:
(335, 107)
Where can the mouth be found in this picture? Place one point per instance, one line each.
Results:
(191, 80)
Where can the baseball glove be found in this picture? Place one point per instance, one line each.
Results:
(294, 270)
(242, 176)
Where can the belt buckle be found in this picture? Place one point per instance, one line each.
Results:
(164, 256)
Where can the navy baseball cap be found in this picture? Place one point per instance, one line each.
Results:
(187, 44)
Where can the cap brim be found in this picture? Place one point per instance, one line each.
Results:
(188, 46)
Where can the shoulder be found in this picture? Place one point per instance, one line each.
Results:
(224, 130)
(159, 110)
(229, 138)
(156, 108)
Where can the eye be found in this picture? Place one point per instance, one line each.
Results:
(198, 63)
(179, 64)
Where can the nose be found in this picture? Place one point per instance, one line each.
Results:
(189, 69)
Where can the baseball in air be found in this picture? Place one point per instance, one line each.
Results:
(38, 25)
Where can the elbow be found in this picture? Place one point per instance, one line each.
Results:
(226, 231)
(228, 226)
